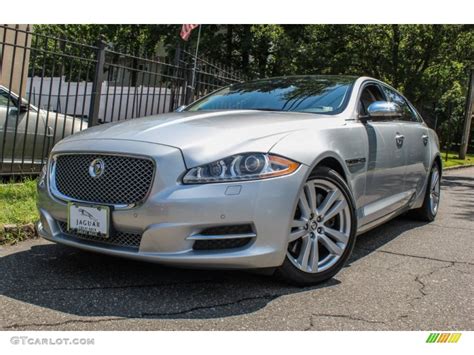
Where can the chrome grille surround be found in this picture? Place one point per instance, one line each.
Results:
(120, 239)
(125, 183)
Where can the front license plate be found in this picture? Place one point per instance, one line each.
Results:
(90, 220)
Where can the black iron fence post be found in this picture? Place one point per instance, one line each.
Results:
(174, 80)
(189, 91)
(97, 85)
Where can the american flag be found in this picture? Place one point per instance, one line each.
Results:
(186, 31)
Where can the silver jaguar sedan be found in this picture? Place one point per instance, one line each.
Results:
(280, 174)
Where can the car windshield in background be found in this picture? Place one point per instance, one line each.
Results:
(327, 95)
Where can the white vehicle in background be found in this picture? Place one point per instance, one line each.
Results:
(27, 133)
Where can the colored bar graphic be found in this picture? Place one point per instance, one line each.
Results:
(443, 337)
(454, 338)
(432, 337)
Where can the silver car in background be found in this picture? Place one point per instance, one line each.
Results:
(280, 173)
(27, 133)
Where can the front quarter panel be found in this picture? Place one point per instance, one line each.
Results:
(344, 141)
(434, 146)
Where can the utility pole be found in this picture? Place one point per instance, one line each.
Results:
(468, 117)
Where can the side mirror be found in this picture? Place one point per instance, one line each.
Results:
(13, 111)
(24, 107)
(180, 108)
(384, 110)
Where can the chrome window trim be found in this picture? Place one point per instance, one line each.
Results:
(55, 192)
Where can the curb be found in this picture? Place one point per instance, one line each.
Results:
(456, 167)
(11, 234)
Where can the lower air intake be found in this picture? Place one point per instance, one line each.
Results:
(219, 244)
(214, 243)
(118, 239)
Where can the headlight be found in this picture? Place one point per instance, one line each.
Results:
(248, 166)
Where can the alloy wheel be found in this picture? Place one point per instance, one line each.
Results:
(321, 227)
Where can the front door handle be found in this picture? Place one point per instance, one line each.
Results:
(399, 138)
(425, 139)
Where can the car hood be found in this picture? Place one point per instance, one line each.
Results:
(205, 136)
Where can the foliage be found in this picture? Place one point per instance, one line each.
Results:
(428, 63)
(453, 160)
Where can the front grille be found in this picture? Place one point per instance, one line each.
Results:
(217, 244)
(124, 181)
(121, 239)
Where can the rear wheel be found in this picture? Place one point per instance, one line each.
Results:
(427, 212)
(322, 233)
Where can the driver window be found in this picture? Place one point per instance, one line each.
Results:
(370, 94)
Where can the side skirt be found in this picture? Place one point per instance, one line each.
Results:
(371, 225)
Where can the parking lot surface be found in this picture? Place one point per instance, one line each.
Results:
(404, 275)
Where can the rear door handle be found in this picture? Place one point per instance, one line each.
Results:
(425, 139)
(399, 138)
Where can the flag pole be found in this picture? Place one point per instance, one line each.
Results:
(195, 60)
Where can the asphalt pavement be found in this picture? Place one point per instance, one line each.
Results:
(404, 275)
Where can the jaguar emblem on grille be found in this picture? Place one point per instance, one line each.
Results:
(96, 168)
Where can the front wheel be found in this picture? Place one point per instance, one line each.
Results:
(323, 229)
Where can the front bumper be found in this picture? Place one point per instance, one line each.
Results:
(174, 212)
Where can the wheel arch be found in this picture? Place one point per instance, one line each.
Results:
(334, 164)
(437, 160)
(333, 161)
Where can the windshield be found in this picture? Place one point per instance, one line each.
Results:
(327, 95)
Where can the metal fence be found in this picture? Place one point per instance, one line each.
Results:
(51, 87)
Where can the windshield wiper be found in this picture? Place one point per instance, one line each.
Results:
(266, 109)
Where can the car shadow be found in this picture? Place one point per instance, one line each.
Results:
(79, 283)
(462, 188)
(75, 282)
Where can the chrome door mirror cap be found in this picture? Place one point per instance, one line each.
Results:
(384, 110)
(180, 108)
(13, 111)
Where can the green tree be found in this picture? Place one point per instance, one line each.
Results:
(428, 63)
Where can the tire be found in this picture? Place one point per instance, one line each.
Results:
(300, 266)
(427, 212)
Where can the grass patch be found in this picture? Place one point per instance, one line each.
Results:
(17, 211)
(18, 203)
(453, 159)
